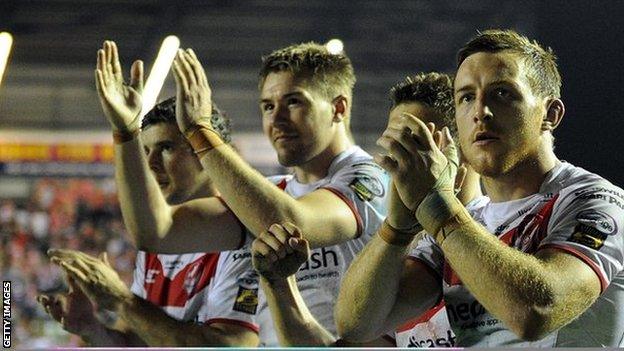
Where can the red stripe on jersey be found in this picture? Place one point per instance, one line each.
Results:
(578, 254)
(253, 327)
(358, 219)
(422, 318)
(194, 277)
(526, 237)
(282, 184)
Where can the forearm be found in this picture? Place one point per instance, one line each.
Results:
(100, 336)
(369, 291)
(511, 285)
(158, 329)
(293, 322)
(145, 210)
(256, 201)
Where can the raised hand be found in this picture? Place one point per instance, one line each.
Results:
(72, 310)
(95, 277)
(193, 94)
(279, 251)
(419, 158)
(121, 102)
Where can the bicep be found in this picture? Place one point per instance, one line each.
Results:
(201, 225)
(420, 289)
(327, 218)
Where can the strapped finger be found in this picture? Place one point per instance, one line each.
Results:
(275, 244)
(300, 245)
(282, 235)
(420, 131)
(262, 250)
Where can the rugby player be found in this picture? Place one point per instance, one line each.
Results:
(194, 299)
(277, 257)
(540, 264)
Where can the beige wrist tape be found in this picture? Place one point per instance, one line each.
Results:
(203, 138)
(397, 237)
(120, 137)
(437, 208)
(461, 219)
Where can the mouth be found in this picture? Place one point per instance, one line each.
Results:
(485, 138)
(284, 137)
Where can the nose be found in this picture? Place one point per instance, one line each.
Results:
(482, 112)
(154, 160)
(280, 115)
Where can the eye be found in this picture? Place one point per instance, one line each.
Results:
(467, 97)
(267, 107)
(146, 150)
(502, 93)
(293, 101)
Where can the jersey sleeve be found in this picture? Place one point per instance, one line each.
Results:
(363, 186)
(137, 287)
(427, 251)
(588, 223)
(233, 296)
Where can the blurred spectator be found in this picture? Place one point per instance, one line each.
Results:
(81, 214)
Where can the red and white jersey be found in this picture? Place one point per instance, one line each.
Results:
(356, 179)
(575, 211)
(200, 287)
(432, 329)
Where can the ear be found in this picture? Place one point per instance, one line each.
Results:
(554, 114)
(340, 106)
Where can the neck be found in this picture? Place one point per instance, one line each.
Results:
(204, 189)
(317, 167)
(523, 180)
(471, 189)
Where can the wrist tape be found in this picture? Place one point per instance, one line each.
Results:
(203, 138)
(397, 237)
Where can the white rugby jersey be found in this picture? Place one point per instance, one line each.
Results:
(201, 287)
(574, 211)
(360, 183)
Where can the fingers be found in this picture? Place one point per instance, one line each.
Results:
(262, 250)
(449, 149)
(421, 132)
(181, 81)
(114, 60)
(52, 306)
(183, 62)
(198, 70)
(136, 76)
(386, 162)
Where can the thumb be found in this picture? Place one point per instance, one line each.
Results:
(136, 76)
(460, 177)
(104, 257)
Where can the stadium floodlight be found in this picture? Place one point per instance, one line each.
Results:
(335, 46)
(6, 42)
(159, 72)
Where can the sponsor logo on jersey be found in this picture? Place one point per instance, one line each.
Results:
(248, 279)
(246, 300)
(464, 312)
(239, 256)
(366, 188)
(449, 341)
(321, 258)
(593, 228)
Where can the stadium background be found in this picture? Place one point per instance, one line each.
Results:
(56, 188)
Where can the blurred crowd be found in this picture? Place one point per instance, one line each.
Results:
(79, 214)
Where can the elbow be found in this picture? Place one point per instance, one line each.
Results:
(352, 329)
(535, 323)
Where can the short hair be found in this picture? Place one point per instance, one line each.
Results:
(164, 112)
(433, 89)
(331, 74)
(543, 75)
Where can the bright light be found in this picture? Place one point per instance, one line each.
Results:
(334, 46)
(6, 41)
(159, 72)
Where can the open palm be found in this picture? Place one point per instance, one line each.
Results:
(121, 102)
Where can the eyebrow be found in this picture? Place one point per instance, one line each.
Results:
(285, 96)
